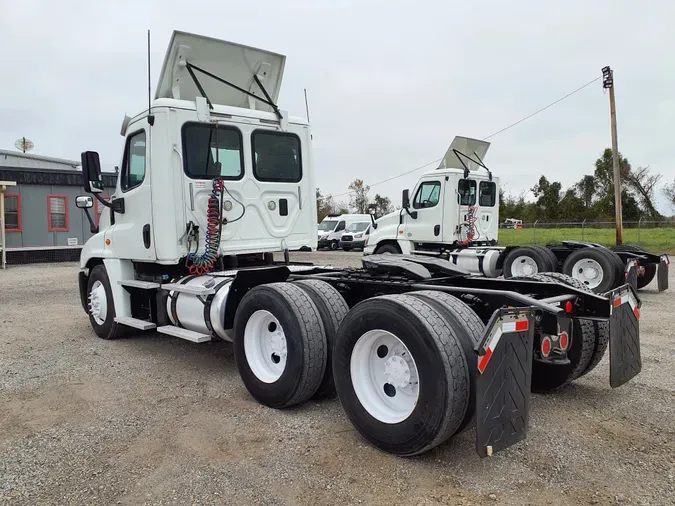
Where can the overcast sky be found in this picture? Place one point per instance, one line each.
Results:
(390, 83)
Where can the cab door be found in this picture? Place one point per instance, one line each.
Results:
(131, 234)
(488, 210)
(428, 227)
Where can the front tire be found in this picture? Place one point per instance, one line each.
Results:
(401, 374)
(388, 248)
(101, 305)
(279, 344)
(334, 245)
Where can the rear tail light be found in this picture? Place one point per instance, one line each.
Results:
(546, 346)
(564, 341)
(569, 306)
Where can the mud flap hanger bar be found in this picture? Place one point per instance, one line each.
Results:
(504, 379)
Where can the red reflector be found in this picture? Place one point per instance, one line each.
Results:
(564, 341)
(568, 307)
(522, 325)
(617, 302)
(484, 361)
(636, 312)
(546, 346)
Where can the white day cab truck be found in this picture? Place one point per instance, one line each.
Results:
(454, 214)
(215, 178)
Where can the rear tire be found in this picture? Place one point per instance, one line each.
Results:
(332, 309)
(650, 269)
(101, 306)
(526, 260)
(279, 371)
(587, 345)
(468, 327)
(594, 267)
(397, 338)
(551, 256)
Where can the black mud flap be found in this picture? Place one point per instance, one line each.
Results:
(632, 273)
(624, 335)
(662, 273)
(504, 380)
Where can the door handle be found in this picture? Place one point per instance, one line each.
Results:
(146, 236)
(437, 230)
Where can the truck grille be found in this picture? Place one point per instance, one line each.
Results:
(347, 238)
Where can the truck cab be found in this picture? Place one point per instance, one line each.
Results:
(455, 205)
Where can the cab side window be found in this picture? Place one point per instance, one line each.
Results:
(427, 195)
(466, 189)
(340, 227)
(133, 165)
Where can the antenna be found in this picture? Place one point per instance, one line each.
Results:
(151, 118)
(306, 105)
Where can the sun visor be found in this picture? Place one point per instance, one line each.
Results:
(467, 147)
(234, 63)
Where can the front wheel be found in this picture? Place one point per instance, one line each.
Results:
(388, 248)
(101, 305)
(334, 245)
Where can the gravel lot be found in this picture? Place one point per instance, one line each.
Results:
(152, 419)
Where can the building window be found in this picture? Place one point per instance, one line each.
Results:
(57, 213)
(428, 195)
(12, 212)
(276, 156)
(212, 151)
(133, 165)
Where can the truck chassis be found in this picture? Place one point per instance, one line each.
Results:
(416, 348)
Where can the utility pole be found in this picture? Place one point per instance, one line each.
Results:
(608, 83)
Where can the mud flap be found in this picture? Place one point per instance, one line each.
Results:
(625, 361)
(631, 273)
(503, 380)
(662, 273)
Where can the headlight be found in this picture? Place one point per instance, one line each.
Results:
(358, 235)
(324, 237)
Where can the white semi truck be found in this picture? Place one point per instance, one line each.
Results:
(215, 178)
(454, 214)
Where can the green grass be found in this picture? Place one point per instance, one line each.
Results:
(654, 240)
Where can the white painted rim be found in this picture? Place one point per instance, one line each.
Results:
(98, 302)
(384, 376)
(589, 272)
(265, 346)
(524, 266)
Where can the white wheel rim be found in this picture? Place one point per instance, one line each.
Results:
(98, 302)
(588, 271)
(384, 376)
(524, 266)
(265, 346)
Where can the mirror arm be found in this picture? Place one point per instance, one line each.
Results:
(115, 205)
(92, 226)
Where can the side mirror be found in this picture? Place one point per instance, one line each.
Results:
(405, 199)
(84, 202)
(91, 172)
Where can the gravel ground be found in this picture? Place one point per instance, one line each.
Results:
(152, 419)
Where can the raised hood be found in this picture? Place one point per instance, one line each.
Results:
(468, 147)
(231, 62)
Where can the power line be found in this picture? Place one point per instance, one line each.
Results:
(485, 138)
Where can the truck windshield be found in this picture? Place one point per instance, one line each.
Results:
(212, 151)
(327, 225)
(358, 227)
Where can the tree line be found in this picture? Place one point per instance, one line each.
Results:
(591, 198)
(359, 202)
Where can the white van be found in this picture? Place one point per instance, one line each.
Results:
(355, 235)
(333, 226)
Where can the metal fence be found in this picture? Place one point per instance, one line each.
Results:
(586, 229)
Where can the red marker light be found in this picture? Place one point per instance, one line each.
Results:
(568, 306)
(546, 346)
(564, 341)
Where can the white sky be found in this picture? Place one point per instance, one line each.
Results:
(390, 83)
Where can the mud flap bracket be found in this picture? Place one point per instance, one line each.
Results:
(503, 380)
(625, 361)
(632, 273)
